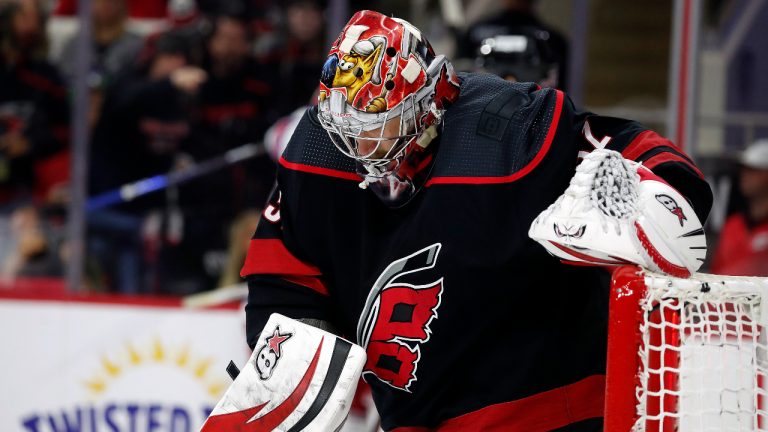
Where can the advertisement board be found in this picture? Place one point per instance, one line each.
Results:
(98, 367)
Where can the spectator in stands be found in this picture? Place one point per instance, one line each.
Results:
(239, 238)
(114, 48)
(236, 102)
(518, 18)
(34, 113)
(298, 51)
(140, 9)
(234, 106)
(36, 248)
(145, 123)
(743, 246)
(187, 25)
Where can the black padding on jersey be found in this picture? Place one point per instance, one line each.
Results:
(496, 116)
(268, 294)
(494, 129)
(311, 145)
(662, 149)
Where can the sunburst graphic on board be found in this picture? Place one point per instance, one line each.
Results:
(133, 358)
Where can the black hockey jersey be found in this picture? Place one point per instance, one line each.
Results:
(468, 323)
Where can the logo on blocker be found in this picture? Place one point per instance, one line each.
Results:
(671, 205)
(270, 353)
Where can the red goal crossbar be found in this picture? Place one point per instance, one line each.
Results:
(686, 354)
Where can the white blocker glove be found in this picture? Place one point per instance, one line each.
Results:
(299, 378)
(616, 211)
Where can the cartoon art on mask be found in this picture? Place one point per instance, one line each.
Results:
(364, 66)
(383, 85)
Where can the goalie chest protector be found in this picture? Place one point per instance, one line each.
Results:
(457, 308)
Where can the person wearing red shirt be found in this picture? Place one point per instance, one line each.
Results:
(743, 246)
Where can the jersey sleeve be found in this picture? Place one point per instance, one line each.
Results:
(278, 280)
(638, 143)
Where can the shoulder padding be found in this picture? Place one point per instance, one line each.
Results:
(495, 129)
(311, 146)
(498, 113)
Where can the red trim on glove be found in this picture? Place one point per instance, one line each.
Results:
(664, 265)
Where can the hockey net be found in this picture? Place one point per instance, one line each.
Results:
(686, 354)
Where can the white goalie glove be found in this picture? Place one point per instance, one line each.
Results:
(616, 211)
(299, 378)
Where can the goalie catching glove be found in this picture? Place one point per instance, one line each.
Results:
(298, 378)
(616, 211)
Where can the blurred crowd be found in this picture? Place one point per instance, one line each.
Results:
(210, 77)
(207, 77)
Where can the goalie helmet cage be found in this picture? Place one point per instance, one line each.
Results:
(686, 354)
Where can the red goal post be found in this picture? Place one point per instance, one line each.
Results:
(686, 354)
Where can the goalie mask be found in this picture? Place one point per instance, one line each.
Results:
(382, 95)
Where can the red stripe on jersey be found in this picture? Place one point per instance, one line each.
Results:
(661, 158)
(519, 174)
(319, 170)
(649, 140)
(541, 412)
(269, 256)
(310, 282)
(643, 142)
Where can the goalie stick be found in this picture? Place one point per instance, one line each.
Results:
(130, 191)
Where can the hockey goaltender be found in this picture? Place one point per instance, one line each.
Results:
(403, 242)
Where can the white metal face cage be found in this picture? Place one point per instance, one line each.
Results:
(346, 125)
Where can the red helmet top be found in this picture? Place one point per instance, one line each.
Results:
(383, 83)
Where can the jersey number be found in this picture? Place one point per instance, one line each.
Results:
(272, 212)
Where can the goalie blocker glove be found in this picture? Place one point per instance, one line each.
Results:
(616, 211)
(299, 378)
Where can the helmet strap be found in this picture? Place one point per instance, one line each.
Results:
(427, 136)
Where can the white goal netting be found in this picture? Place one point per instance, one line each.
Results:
(702, 354)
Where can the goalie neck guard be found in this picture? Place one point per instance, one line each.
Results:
(383, 92)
